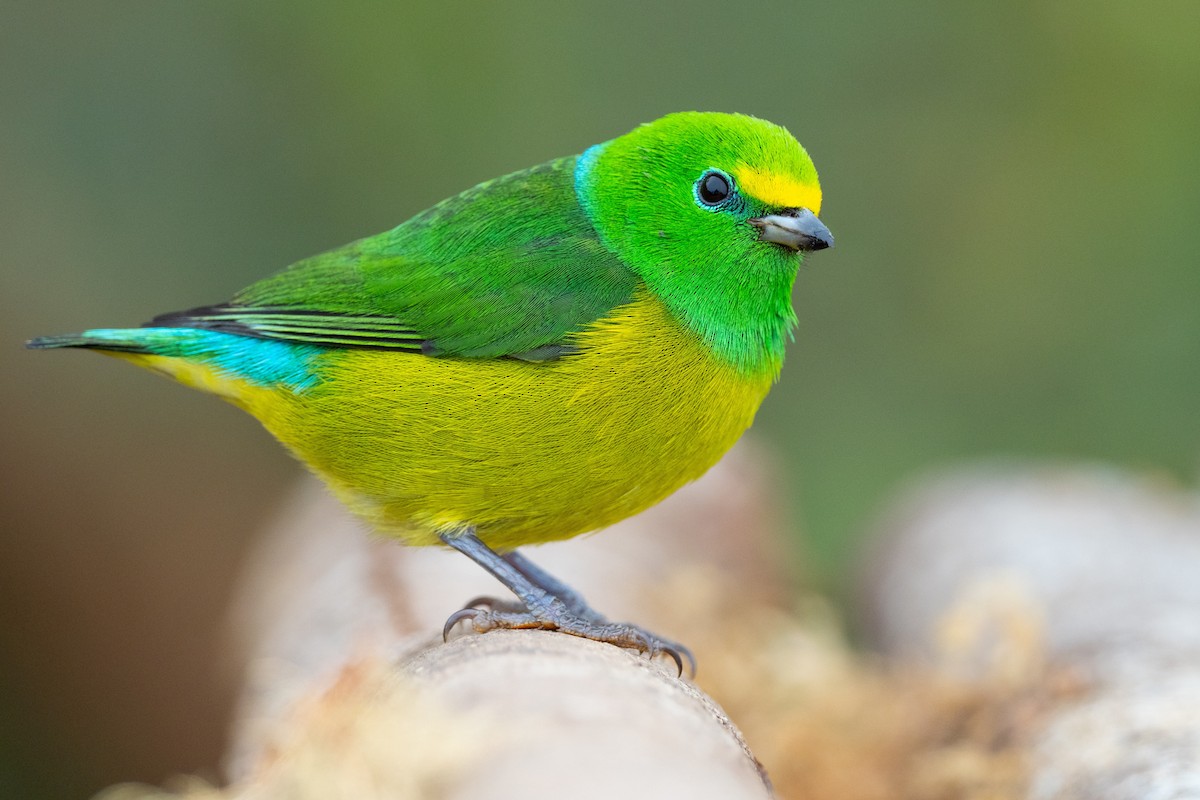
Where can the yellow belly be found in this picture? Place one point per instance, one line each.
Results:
(524, 452)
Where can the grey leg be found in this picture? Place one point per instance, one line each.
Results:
(548, 604)
(547, 582)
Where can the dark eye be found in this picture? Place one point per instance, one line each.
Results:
(713, 188)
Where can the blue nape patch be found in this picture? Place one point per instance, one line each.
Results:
(263, 362)
(583, 177)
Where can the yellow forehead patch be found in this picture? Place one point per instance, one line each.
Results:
(778, 190)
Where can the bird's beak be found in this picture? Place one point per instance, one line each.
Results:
(797, 228)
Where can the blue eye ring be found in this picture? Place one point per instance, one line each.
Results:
(713, 189)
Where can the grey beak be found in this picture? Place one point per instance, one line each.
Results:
(797, 228)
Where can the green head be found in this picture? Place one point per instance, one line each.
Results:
(714, 212)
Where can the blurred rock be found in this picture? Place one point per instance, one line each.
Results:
(1104, 568)
(511, 714)
(580, 719)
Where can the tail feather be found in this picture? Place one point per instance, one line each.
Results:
(202, 358)
(115, 341)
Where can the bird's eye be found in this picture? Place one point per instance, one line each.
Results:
(713, 188)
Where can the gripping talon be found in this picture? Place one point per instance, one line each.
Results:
(674, 654)
(681, 654)
(677, 653)
(457, 617)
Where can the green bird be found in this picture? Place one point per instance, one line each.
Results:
(542, 355)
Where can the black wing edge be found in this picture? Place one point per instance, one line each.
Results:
(298, 325)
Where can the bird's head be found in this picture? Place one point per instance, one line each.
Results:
(715, 212)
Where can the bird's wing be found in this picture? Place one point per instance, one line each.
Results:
(508, 268)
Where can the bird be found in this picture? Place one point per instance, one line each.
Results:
(540, 356)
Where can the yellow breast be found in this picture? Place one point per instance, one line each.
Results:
(525, 452)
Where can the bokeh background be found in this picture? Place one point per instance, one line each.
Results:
(1015, 191)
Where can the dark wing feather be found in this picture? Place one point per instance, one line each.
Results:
(298, 325)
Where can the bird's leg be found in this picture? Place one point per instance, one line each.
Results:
(572, 599)
(547, 604)
(544, 581)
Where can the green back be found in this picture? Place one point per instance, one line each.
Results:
(509, 267)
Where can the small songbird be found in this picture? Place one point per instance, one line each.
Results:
(542, 355)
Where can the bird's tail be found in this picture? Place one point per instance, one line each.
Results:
(115, 341)
(232, 366)
(179, 353)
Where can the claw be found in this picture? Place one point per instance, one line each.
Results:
(457, 617)
(677, 653)
(681, 654)
(674, 654)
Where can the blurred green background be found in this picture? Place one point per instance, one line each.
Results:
(1015, 191)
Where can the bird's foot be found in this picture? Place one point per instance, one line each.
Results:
(546, 603)
(488, 614)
